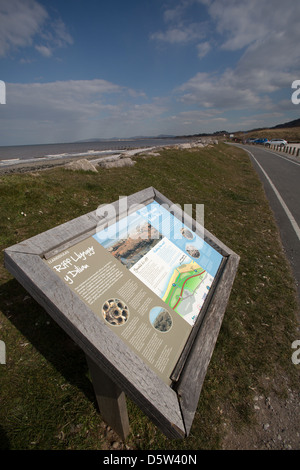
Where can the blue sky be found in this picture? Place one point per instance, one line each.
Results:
(77, 69)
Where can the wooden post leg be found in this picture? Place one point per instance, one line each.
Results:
(111, 400)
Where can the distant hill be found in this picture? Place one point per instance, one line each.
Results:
(286, 125)
(295, 123)
(289, 131)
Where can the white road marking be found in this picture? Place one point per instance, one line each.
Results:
(285, 208)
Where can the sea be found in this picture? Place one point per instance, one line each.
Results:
(12, 155)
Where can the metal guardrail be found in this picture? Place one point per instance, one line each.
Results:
(289, 149)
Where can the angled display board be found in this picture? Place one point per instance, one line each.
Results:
(142, 289)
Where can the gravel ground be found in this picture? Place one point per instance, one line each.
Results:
(277, 420)
(277, 423)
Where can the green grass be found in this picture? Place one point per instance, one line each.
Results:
(46, 397)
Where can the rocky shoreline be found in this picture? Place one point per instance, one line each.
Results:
(120, 158)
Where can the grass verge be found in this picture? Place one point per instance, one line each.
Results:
(46, 397)
(291, 134)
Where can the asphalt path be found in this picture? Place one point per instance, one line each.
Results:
(280, 176)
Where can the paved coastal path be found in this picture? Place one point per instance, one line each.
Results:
(280, 176)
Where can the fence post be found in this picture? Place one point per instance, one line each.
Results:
(111, 400)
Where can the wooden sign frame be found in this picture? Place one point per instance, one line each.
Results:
(115, 368)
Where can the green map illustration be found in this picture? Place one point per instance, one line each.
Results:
(181, 290)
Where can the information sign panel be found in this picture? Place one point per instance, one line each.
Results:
(143, 294)
(141, 277)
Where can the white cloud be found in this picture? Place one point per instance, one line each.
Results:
(20, 21)
(203, 49)
(74, 110)
(225, 91)
(197, 116)
(180, 34)
(60, 35)
(54, 36)
(44, 50)
(267, 34)
(173, 14)
(179, 27)
(78, 96)
(243, 22)
(193, 122)
(25, 21)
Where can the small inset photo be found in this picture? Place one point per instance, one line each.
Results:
(115, 312)
(160, 319)
(192, 251)
(187, 233)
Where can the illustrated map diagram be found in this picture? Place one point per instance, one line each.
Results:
(183, 284)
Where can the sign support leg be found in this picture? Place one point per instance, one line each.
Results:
(111, 400)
